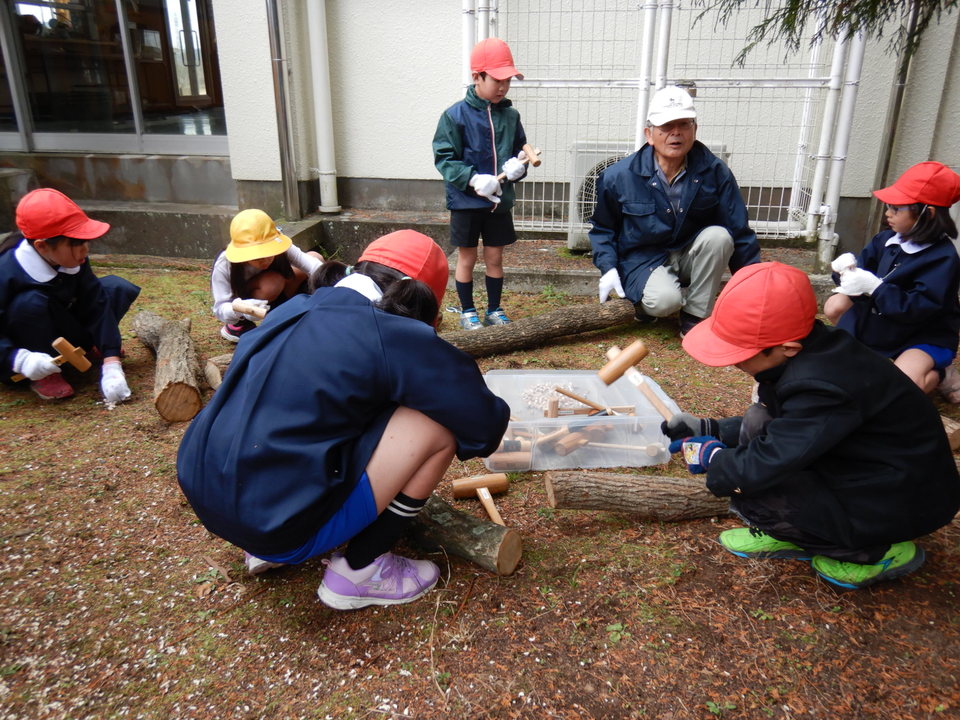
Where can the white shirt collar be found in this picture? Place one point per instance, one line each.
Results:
(908, 246)
(35, 266)
(363, 285)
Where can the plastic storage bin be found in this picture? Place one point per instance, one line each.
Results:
(576, 440)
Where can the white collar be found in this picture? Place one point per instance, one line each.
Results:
(908, 246)
(36, 267)
(362, 284)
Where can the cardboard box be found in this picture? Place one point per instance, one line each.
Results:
(535, 442)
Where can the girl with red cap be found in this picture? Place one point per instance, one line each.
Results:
(48, 291)
(335, 422)
(899, 296)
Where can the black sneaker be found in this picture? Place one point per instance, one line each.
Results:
(641, 317)
(232, 332)
(688, 322)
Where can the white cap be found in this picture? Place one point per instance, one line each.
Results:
(670, 103)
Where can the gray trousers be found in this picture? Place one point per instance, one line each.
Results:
(699, 267)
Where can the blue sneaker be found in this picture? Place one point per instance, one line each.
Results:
(469, 320)
(496, 317)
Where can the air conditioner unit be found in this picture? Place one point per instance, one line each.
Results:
(590, 158)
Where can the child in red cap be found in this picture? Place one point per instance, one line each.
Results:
(477, 139)
(899, 296)
(843, 461)
(335, 422)
(47, 290)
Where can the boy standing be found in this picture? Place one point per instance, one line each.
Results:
(476, 139)
(844, 460)
(47, 290)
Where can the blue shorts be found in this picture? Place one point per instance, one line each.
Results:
(359, 510)
(942, 357)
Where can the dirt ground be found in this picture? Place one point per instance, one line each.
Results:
(116, 603)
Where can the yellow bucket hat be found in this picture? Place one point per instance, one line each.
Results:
(254, 235)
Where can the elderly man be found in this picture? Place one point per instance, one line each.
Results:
(670, 216)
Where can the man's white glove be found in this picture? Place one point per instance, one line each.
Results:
(609, 282)
(842, 263)
(34, 365)
(113, 383)
(858, 282)
(256, 302)
(515, 167)
(486, 186)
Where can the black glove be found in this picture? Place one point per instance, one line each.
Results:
(684, 425)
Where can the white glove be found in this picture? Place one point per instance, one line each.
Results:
(842, 263)
(113, 383)
(486, 186)
(514, 167)
(258, 302)
(858, 282)
(609, 282)
(34, 365)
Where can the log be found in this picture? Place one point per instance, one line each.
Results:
(649, 497)
(952, 429)
(176, 388)
(538, 330)
(215, 368)
(491, 546)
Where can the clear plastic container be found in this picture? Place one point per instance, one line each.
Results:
(575, 439)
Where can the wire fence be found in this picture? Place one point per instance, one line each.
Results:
(584, 87)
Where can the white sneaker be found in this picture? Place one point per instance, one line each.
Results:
(255, 565)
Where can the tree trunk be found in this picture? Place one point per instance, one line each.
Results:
(650, 497)
(491, 546)
(176, 389)
(538, 330)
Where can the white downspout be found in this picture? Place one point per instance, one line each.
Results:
(483, 20)
(322, 105)
(848, 103)
(663, 43)
(816, 209)
(468, 30)
(646, 61)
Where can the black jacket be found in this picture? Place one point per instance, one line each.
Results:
(867, 442)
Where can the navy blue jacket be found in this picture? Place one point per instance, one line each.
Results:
(475, 136)
(287, 435)
(855, 454)
(916, 303)
(635, 228)
(81, 293)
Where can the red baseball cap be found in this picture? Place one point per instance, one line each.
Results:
(413, 254)
(47, 213)
(493, 57)
(763, 305)
(930, 183)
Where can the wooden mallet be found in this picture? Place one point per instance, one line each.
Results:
(482, 487)
(68, 354)
(621, 363)
(532, 158)
(244, 307)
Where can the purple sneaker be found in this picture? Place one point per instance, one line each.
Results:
(395, 580)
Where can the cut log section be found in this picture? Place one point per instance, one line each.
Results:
(215, 368)
(176, 388)
(491, 546)
(538, 330)
(649, 497)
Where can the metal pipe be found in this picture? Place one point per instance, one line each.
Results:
(815, 208)
(848, 103)
(322, 105)
(483, 20)
(468, 34)
(646, 62)
(291, 196)
(663, 45)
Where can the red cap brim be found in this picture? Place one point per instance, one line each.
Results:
(703, 345)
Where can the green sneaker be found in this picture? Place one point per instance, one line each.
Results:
(901, 559)
(753, 543)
